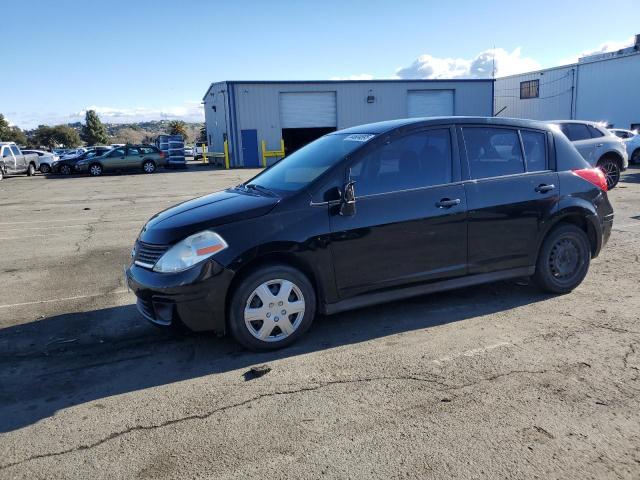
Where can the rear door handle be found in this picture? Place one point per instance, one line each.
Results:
(448, 203)
(599, 145)
(544, 188)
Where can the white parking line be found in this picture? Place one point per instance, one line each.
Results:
(78, 297)
(471, 353)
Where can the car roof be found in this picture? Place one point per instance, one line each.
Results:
(386, 126)
(581, 122)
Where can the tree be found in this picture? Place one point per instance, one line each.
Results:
(52, 137)
(10, 133)
(178, 127)
(93, 131)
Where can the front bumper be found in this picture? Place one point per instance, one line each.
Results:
(195, 297)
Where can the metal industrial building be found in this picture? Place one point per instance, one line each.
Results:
(246, 113)
(601, 87)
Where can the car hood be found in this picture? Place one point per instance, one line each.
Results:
(192, 216)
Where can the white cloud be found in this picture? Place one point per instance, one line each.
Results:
(188, 111)
(360, 76)
(609, 46)
(481, 66)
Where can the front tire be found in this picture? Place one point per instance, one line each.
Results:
(31, 171)
(563, 260)
(271, 308)
(65, 170)
(635, 156)
(611, 169)
(45, 169)
(95, 169)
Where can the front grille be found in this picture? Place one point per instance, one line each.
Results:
(148, 254)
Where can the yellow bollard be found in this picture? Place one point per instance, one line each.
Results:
(264, 153)
(204, 153)
(226, 155)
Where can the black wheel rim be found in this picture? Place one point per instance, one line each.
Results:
(611, 172)
(565, 260)
(65, 170)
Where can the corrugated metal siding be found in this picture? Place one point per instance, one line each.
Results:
(554, 102)
(257, 104)
(609, 90)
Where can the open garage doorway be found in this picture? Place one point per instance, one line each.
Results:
(295, 138)
(305, 116)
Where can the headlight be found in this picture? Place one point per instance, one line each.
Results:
(190, 251)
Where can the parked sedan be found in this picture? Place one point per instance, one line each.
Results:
(371, 214)
(46, 159)
(598, 146)
(67, 166)
(132, 157)
(631, 140)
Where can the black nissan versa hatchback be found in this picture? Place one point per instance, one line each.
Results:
(372, 214)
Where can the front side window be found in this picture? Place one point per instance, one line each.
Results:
(118, 152)
(530, 89)
(417, 160)
(6, 153)
(303, 166)
(493, 152)
(134, 151)
(535, 150)
(575, 131)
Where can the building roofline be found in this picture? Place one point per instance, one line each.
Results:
(542, 70)
(329, 82)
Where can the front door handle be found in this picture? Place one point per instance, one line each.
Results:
(599, 145)
(542, 188)
(448, 203)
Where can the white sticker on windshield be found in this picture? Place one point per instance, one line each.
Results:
(359, 137)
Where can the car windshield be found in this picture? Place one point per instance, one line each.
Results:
(306, 164)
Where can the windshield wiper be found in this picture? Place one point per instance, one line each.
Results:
(259, 188)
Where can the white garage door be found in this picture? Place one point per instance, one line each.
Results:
(308, 110)
(429, 103)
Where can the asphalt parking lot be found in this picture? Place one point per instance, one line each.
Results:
(498, 381)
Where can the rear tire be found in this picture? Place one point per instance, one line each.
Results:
(635, 156)
(95, 169)
(258, 317)
(65, 170)
(611, 169)
(31, 171)
(563, 260)
(149, 167)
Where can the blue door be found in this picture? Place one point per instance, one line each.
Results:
(250, 148)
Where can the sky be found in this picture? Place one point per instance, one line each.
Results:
(140, 60)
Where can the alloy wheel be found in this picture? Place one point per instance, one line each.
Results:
(274, 310)
(611, 171)
(149, 167)
(65, 169)
(95, 170)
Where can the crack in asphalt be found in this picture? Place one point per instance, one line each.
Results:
(201, 416)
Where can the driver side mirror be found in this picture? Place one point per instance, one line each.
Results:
(348, 201)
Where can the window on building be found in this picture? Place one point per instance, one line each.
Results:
(530, 89)
(417, 160)
(493, 152)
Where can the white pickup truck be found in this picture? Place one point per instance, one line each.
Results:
(13, 161)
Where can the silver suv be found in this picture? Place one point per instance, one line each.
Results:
(598, 146)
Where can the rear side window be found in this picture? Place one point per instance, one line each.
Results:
(575, 131)
(15, 150)
(595, 133)
(493, 152)
(417, 160)
(118, 152)
(535, 150)
(147, 150)
(133, 151)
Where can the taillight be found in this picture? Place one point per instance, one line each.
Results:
(161, 154)
(594, 176)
